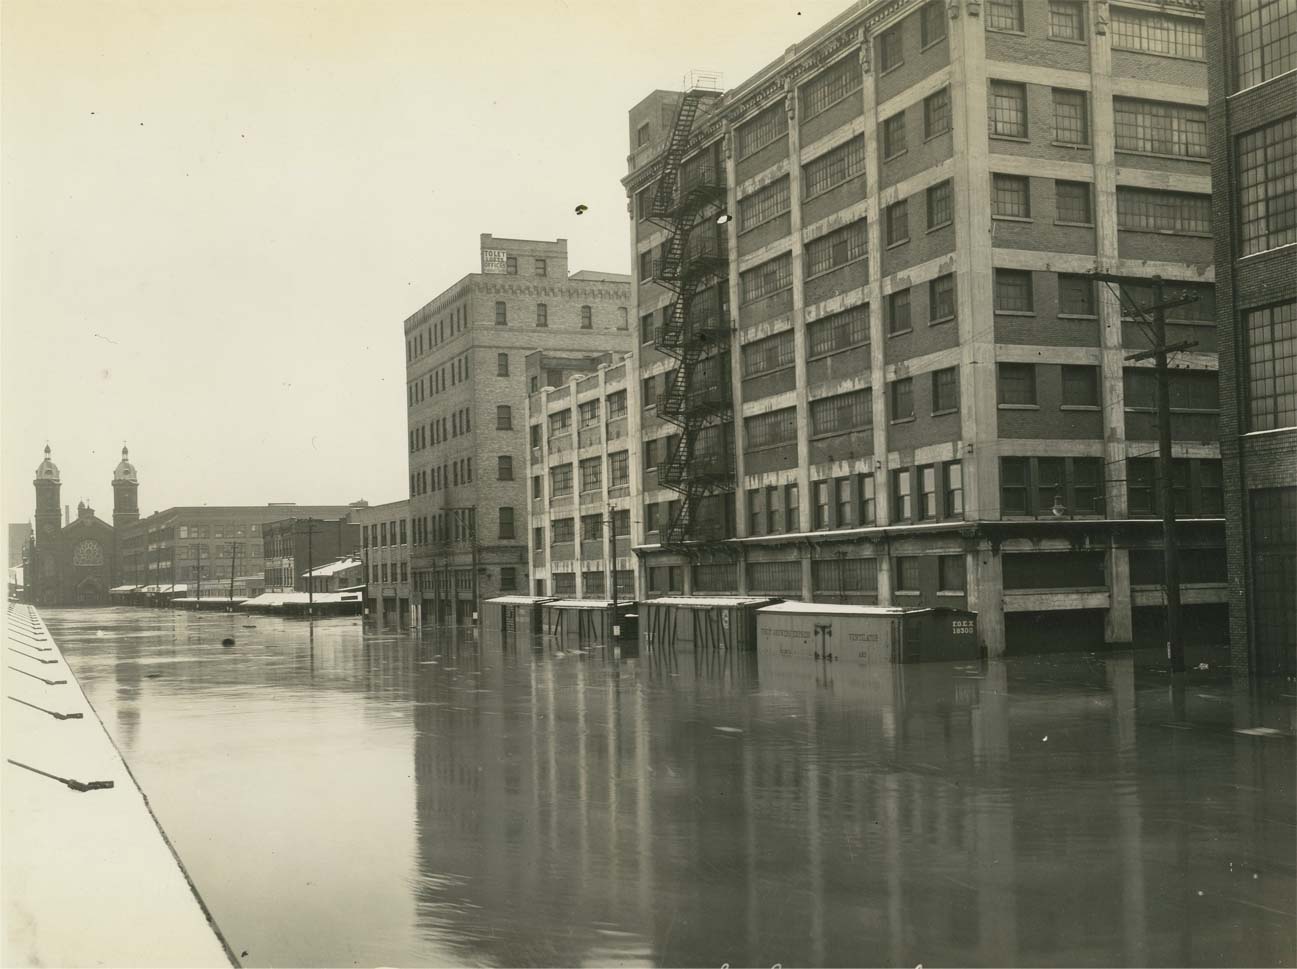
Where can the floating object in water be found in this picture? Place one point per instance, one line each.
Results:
(729, 729)
(227, 641)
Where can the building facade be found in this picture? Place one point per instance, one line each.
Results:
(19, 534)
(466, 398)
(296, 546)
(1252, 50)
(385, 551)
(872, 365)
(582, 459)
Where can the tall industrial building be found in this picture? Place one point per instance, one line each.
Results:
(872, 366)
(467, 403)
(1252, 50)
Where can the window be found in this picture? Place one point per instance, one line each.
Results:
(1149, 210)
(1004, 15)
(945, 390)
(867, 498)
(1013, 486)
(891, 52)
(616, 404)
(618, 469)
(894, 135)
(650, 392)
(1196, 390)
(502, 364)
(1272, 366)
(1011, 196)
(841, 576)
(1080, 386)
(650, 454)
(902, 399)
(506, 523)
(537, 488)
(588, 412)
(932, 23)
(1141, 486)
(765, 356)
(834, 167)
(591, 474)
(1158, 128)
(560, 422)
(562, 532)
(538, 267)
(1071, 117)
(542, 315)
(770, 125)
(830, 86)
(936, 113)
(941, 298)
(642, 135)
(898, 312)
(623, 319)
(1017, 383)
(820, 489)
(952, 505)
(1265, 40)
(763, 205)
(927, 492)
(841, 331)
(940, 208)
(767, 279)
(842, 502)
(1013, 291)
(768, 430)
(511, 265)
(1156, 33)
(898, 223)
(1008, 110)
(646, 265)
(646, 328)
(504, 418)
(774, 516)
(587, 318)
(902, 497)
(508, 578)
(1075, 295)
(501, 314)
(1140, 388)
(1274, 570)
(842, 412)
(836, 249)
(754, 511)
(950, 573)
(1067, 20)
(560, 481)
(1072, 200)
(1267, 186)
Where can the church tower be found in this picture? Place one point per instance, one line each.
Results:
(48, 487)
(126, 486)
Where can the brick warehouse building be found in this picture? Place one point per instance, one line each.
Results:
(467, 401)
(1252, 49)
(897, 385)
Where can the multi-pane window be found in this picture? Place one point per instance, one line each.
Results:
(894, 135)
(769, 354)
(763, 204)
(1157, 33)
(1071, 117)
(891, 49)
(1265, 40)
(1011, 196)
(588, 412)
(945, 390)
(768, 430)
(843, 412)
(927, 492)
(941, 298)
(1004, 15)
(504, 418)
(511, 265)
(867, 498)
(1272, 366)
(1014, 480)
(830, 86)
(834, 167)
(1160, 128)
(1267, 186)
(616, 404)
(836, 248)
(1013, 291)
(1149, 210)
(591, 528)
(649, 394)
(902, 392)
(770, 125)
(563, 531)
(591, 474)
(932, 22)
(505, 520)
(820, 493)
(1072, 200)
(1017, 383)
(850, 328)
(542, 314)
(908, 571)
(1136, 298)
(842, 501)
(618, 468)
(502, 364)
(1080, 386)
(587, 318)
(1033, 486)
(1273, 540)
(538, 267)
(952, 505)
(950, 573)
(767, 279)
(941, 209)
(898, 222)
(936, 113)
(1067, 20)
(792, 508)
(1075, 295)
(1007, 114)
(501, 314)
(646, 328)
(902, 495)
(898, 311)
(560, 481)
(504, 468)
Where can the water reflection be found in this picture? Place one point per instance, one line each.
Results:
(406, 798)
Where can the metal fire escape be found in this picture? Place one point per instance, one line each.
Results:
(695, 266)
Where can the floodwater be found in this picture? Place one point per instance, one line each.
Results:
(347, 797)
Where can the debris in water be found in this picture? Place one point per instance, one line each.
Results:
(1044, 738)
(729, 729)
(227, 641)
(1203, 666)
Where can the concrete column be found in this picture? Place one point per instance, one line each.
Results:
(799, 322)
(877, 336)
(884, 558)
(1117, 623)
(741, 511)
(985, 569)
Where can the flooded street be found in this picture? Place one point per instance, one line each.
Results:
(341, 797)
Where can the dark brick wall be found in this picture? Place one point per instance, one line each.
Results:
(837, 366)
(834, 200)
(833, 117)
(761, 159)
(830, 284)
(924, 245)
(764, 234)
(918, 64)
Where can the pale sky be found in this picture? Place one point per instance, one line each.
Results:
(216, 215)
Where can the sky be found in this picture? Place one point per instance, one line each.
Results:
(214, 216)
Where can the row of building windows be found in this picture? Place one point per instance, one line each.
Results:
(591, 474)
(438, 431)
(381, 572)
(432, 336)
(383, 534)
(939, 201)
(442, 476)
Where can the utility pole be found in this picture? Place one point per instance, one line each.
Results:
(1158, 352)
(198, 576)
(310, 565)
(233, 547)
(612, 574)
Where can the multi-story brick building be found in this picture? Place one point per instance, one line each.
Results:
(582, 460)
(385, 550)
(873, 368)
(1252, 50)
(299, 544)
(467, 412)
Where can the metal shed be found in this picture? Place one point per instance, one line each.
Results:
(513, 617)
(701, 622)
(867, 634)
(572, 623)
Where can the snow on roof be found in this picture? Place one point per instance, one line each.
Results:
(840, 609)
(333, 568)
(274, 599)
(582, 603)
(124, 588)
(210, 599)
(520, 600)
(709, 602)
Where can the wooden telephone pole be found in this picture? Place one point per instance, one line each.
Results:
(1158, 352)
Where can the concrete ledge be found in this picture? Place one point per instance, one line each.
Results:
(1032, 601)
(89, 878)
(1190, 595)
